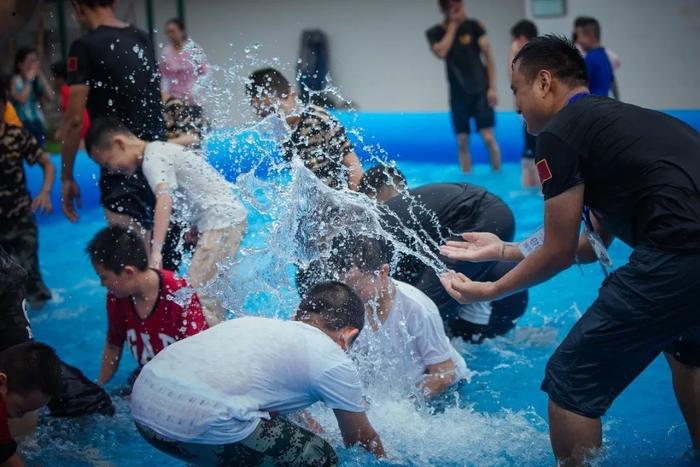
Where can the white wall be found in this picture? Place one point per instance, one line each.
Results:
(658, 43)
(380, 58)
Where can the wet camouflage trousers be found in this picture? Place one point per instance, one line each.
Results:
(274, 442)
(18, 236)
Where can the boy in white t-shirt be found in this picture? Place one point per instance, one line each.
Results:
(403, 340)
(220, 397)
(183, 180)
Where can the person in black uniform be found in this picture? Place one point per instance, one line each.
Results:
(112, 71)
(471, 73)
(631, 173)
(434, 213)
(78, 395)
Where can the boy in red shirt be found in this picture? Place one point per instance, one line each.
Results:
(148, 309)
(60, 75)
(30, 376)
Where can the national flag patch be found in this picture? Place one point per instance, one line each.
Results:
(543, 171)
(72, 64)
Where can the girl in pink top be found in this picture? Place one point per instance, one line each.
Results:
(181, 64)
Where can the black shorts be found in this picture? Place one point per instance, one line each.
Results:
(647, 306)
(129, 195)
(464, 107)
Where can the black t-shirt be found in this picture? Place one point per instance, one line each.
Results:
(466, 72)
(641, 170)
(434, 213)
(119, 67)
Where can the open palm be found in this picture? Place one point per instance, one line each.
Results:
(477, 246)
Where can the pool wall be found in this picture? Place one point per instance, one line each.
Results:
(414, 137)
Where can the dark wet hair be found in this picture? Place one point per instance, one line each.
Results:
(59, 70)
(95, 3)
(21, 54)
(589, 24)
(14, 278)
(31, 366)
(555, 54)
(267, 82)
(367, 254)
(116, 247)
(445, 4)
(524, 28)
(336, 303)
(102, 130)
(380, 176)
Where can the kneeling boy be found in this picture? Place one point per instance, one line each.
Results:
(183, 180)
(404, 339)
(217, 398)
(146, 308)
(30, 376)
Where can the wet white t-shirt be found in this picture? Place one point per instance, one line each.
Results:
(214, 387)
(412, 337)
(200, 194)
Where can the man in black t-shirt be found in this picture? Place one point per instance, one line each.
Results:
(112, 71)
(425, 217)
(463, 44)
(634, 174)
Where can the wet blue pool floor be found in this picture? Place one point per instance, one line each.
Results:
(504, 418)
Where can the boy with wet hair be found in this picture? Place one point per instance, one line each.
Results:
(18, 229)
(403, 339)
(195, 402)
(30, 376)
(437, 212)
(148, 309)
(315, 137)
(181, 180)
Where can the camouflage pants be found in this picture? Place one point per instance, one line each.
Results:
(19, 238)
(274, 442)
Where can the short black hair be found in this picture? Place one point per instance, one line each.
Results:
(336, 303)
(555, 54)
(589, 24)
(177, 22)
(445, 4)
(21, 54)
(31, 366)
(524, 28)
(380, 176)
(101, 130)
(59, 70)
(95, 3)
(267, 82)
(116, 247)
(366, 253)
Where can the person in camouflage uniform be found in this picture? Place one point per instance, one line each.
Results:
(18, 230)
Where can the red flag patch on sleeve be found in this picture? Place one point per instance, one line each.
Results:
(543, 171)
(72, 64)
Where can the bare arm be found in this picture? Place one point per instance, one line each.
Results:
(111, 357)
(442, 47)
(23, 95)
(562, 221)
(439, 377)
(42, 200)
(356, 428)
(485, 47)
(354, 168)
(185, 139)
(585, 253)
(49, 95)
(161, 221)
(70, 130)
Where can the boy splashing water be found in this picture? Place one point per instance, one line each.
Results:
(183, 180)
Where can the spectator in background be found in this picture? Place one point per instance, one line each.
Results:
(601, 78)
(60, 76)
(183, 62)
(28, 89)
(520, 34)
(471, 72)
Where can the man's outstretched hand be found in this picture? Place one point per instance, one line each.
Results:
(476, 247)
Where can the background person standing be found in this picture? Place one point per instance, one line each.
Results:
(471, 73)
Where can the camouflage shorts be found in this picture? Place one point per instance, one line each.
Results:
(274, 442)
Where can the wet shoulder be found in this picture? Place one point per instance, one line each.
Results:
(414, 305)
